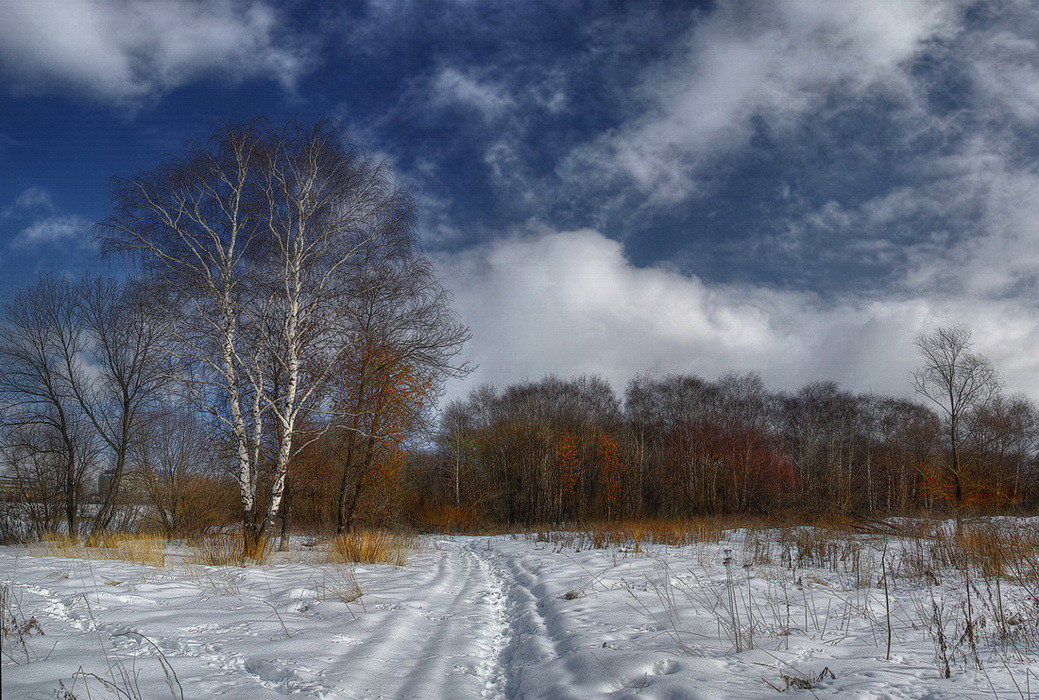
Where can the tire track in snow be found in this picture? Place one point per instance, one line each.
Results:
(496, 668)
(445, 641)
(394, 631)
(483, 626)
(466, 642)
(531, 660)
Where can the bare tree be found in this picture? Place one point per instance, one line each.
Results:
(43, 422)
(957, 380)
(539, 452)
(1003, 436)
(176, 466)
(254, 242)
(115, 376)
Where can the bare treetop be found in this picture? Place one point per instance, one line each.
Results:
(953, 376)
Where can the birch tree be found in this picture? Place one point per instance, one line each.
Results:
(250, 242)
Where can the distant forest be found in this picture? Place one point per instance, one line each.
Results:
(680, 446)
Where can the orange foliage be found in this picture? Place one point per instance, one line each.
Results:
(450, 517)
(981, 490)
(396, 398)
(387, 396)
(611, 472)
(568, 458)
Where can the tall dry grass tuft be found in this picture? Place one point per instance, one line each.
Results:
(835, 549)
(140, 548)
(226, 549)
(340, 584)
(56, 544)
(998, 551)
(990, 549)
(17, 630)
(369, 546)
(635, 535)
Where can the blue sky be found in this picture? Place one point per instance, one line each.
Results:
(791, 187)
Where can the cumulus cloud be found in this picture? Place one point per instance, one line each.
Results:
(129, 50)
(571, 303)
(947, 225)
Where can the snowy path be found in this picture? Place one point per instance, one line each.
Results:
(446, 641)
(483, 617)
(442, 627)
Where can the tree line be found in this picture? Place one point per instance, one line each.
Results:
(678, 446)
(276, 358)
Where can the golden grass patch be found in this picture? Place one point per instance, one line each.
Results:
(134, 547)
(370, 546)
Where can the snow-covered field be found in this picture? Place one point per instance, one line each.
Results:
(509, 616)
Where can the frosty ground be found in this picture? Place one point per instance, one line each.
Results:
(522, 616)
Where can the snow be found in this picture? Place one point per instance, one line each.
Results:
(502, 616)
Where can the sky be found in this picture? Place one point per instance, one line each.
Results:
(796, 188)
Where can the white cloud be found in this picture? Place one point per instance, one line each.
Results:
(129, 50)
(60, 230)
(32, 200)
(967, 225)
(1004, 62)
(450, 87)
(43, 224)
(571, 303)
(760, 63)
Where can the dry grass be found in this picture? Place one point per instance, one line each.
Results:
(835, 549)
(451, 518)
(630, 535)
(134, 547)
(921, 549)
(634, 535)
(56, 544)
(998, 550)
(226, 549)
(16, 629)
(340, 584)
(991, 550)
(370, 546)
(972, 587)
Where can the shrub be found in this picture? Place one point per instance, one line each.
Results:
(370, 546)
(450, 518)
